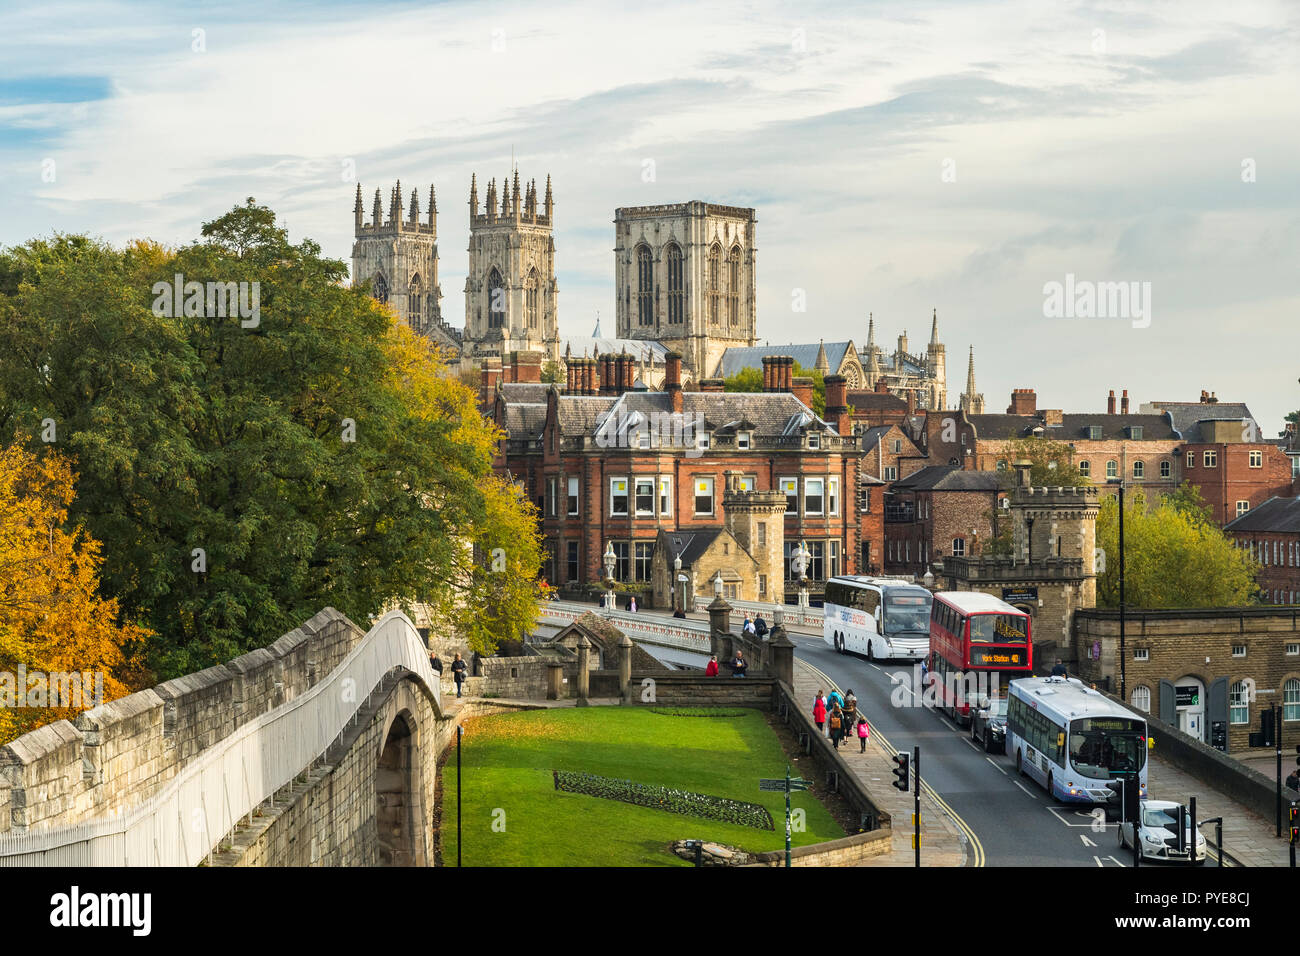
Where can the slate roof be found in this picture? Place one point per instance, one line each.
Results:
(769, 413)
(1187, 416)
(736, 358)
(608, 637)
(1073, 427)
(690, 544)
(525, 420)
(949, 478)
(589, 345)
(1276, 516)
(863, 400)
(578, 414)
(532, 392)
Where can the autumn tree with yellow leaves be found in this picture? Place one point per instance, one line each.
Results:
(52, 619)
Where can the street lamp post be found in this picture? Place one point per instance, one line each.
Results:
(677, 577)
(1123, 685)
(610, 560)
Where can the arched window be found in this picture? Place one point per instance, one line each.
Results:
(530, 298)
(1141, 699)
(733, 287)
(644, 286)
(676, 289)
(715, 295)
(958, 547)
(1291, 700)
(496, 301)
(414, 317)
(379, 288)
(1112, 469)
(1139, 469)
(1085, 468)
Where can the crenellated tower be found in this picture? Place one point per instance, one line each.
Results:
(398, 256)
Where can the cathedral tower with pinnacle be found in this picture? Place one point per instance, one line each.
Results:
(398, 256)
(510, 290)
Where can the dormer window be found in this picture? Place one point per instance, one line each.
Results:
(743, 440)
(1094, 432)
(643, 439)
(1135, 432)
(702, 440)
(814, 440)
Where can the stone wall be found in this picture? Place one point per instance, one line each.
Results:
(518, 678)
(846, 851)
(119, 754)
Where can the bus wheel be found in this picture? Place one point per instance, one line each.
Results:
(1020, 766)
(870, 656)
(1049, 783)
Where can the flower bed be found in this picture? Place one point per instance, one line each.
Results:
(665, 798)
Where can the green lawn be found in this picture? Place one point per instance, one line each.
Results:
(508, 759)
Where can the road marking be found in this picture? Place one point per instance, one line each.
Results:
(972, 744)
(1086, 841)
(1117, 862)
(996, 767)
(1098, 859)
(1022, 787)
(977, 848)
(869, 664)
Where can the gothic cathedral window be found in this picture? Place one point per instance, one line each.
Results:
(715, 295)
(380, 288)
(530, 299)
(496, 301)
(644, 286)
(413, 316)
(675, 289)
(733, 287)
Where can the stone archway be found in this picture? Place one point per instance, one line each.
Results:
(395, 816)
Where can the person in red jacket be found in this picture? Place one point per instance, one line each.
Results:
(712, 669)
(819, 712)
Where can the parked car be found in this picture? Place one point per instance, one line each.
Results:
(988, 723)
(1159, 833)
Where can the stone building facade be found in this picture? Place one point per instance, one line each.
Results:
(938, 512)
(684, 275)
(1211, 672)
(510, 290)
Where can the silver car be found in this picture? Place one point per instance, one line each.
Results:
(988, 724)
(1159, 834)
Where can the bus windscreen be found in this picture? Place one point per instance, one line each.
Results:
(907, 614)
(1100, 745)
(999, 628)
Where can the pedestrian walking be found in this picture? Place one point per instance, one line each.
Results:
(738, 666)
(748, 627)
(1058, 670)
(631, 604)
(864, 733)
(458, 670)
(833, 699)
(712, 669)
(760, 626)
(850, 710)
(819, 713)
(1293, 781)
(836, 721)
(435, 662)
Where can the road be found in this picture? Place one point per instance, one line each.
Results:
(1012, 817)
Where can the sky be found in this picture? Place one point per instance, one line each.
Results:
(902, 158)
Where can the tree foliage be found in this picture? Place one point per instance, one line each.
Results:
(241, 479)
(52, 619)
(1050, 464)
(1174, 557)
(745, 380)
(552, 373)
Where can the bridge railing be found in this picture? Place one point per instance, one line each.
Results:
(809, 616)
(683, 634)
(184, 822)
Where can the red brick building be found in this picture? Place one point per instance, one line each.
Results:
(1271, 532)
(613, 469)
(939, 511)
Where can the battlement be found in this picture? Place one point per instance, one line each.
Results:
(119, 754)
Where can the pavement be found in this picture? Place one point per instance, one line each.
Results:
(942, 842)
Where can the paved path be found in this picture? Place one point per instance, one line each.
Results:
(941, 841)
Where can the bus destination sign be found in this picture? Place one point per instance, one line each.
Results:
(996, 657)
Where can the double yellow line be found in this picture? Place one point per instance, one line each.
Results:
(977, 848)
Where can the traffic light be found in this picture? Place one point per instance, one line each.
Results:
(1294, 815)
(900, 771)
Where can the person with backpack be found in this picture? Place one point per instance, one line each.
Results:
(748, 627)
(850, 711)
(458, 669)
(833, 699)
(836, 721)
(819, 713)
(739, 666)
(864, 733)
(760, 627)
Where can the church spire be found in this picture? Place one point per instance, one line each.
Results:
(358, 210)
(970, 374)
(550, 203)
(822, 363)
(433, 209)
(414, 213)
(934, 329)
(473, 197)
(514, 199)
(871, 331)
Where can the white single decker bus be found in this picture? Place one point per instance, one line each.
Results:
(879, 618)
(1073, 740)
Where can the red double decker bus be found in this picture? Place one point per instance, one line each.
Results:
(978, 645)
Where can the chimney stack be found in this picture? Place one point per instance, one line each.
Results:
(673, 380)
(1110, 403)
(1024, 401)
(837, 404)
(911, 402)
(769, 372)
(802, 387)
(712, 385)
(1123, 403)
(882, 387)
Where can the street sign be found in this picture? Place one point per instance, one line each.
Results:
(778, 786)
(1187, 695)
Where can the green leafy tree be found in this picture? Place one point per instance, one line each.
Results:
(745, 380)
(242, 477)
(819, 387)
(551, 372)
(1173, 558)
(1050, 464)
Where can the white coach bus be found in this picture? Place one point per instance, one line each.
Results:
(1073, 740)
(880, 618)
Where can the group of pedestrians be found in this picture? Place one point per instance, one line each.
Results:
(459, 669)
(755, 628)
(839, 718)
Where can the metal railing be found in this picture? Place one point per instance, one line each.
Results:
(195, 810)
